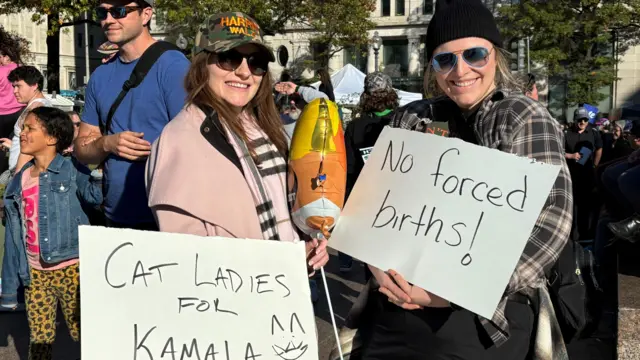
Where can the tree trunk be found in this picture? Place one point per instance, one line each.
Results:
(53, 54)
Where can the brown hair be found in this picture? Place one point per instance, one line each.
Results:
(504, 78)
(262, 106)
(377, 101)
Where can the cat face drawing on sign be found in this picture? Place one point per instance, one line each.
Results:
(288, 347)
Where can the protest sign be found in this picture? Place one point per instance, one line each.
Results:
(593, 112)
(151, 295)
(452, 217)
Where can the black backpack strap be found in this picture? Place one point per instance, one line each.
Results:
(146, 62)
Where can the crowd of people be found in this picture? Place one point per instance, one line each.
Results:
(200, 147)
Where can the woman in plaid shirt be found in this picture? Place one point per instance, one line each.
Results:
(470, 70)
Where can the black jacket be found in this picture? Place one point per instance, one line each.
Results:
(359, 138)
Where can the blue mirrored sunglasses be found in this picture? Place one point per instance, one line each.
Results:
(476, 57)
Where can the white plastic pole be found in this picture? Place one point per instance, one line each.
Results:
(333, 319)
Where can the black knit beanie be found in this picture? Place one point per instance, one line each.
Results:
(457, 19)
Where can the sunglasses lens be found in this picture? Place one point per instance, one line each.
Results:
(101, 13)
(119, 12)
(476, 57)
(257, 65)
(229, 60)
(444, 62)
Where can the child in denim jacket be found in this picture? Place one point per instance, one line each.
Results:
(43, 210)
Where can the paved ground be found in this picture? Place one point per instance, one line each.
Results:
(14, 336)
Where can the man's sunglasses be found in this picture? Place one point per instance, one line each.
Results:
(583, 120)
(232, 59)
(117, 12)
(476, 57)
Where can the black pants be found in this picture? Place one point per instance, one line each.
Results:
(391, 333)
(584, 203)
(7, 122)
(151, 226)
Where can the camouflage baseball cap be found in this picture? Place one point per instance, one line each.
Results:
(225, 31)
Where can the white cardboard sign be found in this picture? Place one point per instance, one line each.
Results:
(452, 217)
(150, 295)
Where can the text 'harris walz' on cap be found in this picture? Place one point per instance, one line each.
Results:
(225, 31)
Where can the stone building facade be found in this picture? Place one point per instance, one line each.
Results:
(402, 25)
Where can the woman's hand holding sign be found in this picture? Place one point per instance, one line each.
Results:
(391, 290)
(317, 255)
(402, 293)
(418, 295)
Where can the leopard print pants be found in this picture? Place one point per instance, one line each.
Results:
(42, 296)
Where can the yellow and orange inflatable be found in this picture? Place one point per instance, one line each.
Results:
(318, 168)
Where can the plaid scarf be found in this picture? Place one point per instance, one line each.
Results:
(267, 162)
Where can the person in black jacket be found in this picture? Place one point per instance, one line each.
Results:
(375, 111)
(615, 145)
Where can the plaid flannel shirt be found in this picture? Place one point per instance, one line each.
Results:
(519, 125)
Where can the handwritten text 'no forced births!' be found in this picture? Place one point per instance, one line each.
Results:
(388, 215)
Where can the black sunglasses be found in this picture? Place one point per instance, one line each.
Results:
(583, 120)
(117, 12)
(232, 59)
(476, 57)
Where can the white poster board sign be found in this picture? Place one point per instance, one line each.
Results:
(450, 216)
(150, 295)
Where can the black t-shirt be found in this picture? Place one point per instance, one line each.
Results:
(461, 127)
(575, 141)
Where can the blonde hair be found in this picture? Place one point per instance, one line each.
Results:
(504, 78)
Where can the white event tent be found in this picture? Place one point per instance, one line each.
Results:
(348, 84)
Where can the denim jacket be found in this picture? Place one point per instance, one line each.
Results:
(62, 187)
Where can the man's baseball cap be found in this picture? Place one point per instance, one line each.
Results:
(151, 3)
(580, 113)
(225, 31)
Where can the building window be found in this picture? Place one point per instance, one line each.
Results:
(160, 18)
(357, 57)
(386, 8)
(72, 79)
(513, 51)
(427, 7)
(400, 7)
(396, 57)
(45, 85)
(79, 40)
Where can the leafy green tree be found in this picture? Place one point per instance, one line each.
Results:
(336, 24)
(575, 40)
(14, 41)
(185, 16)
(57, 14)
